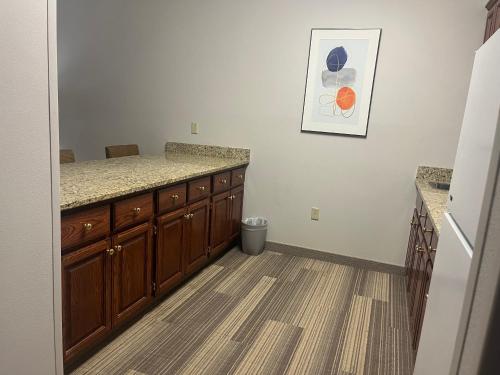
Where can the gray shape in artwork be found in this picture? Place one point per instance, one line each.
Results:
(346, 76)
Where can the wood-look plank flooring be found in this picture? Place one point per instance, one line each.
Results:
(269, 314)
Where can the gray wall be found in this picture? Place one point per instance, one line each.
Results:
(141, 72)
(27, 317)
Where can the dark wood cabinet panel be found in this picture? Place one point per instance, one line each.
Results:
(236, 211)
(199, 189)
(131, 272)
(172, 198)
(221, 182)
(86, 296)
(238, 177)
(107, 283)
(85, 226)
(133, 211)
(170, 250)
(492, 18)
(422, 246)
(196, 251)
(220, 222)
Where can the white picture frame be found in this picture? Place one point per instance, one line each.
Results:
(339, 83)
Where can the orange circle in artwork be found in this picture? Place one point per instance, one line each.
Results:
(346, 97)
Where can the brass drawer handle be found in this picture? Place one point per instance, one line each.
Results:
(118, 248)
(201, 188)
(110, 251)
(240, 176)
(419, 249)
(223, 181)
(428, 230)
(137, 210)
(191, 216)
(230, 197)
(186, 216)
(175, 197)
(87, 226)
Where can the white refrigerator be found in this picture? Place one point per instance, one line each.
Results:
(473, 171)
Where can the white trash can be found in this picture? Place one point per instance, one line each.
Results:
(253, 235)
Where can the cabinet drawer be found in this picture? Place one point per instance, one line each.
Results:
(171, 198)
(237, 176)
(221, 182)
(133, 211)
(198, 189)
(84, 226)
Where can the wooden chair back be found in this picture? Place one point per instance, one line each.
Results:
(118, 151)
(66, 156)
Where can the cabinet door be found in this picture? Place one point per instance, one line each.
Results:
(236, 211)
(410, 251)
(86, 297)
(197, 236)
(423, 296)
(221, 222)
(169, 250)
(131, 272)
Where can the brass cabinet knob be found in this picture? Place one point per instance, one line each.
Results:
(118, 248)
(230, 197)
(240, 176)
(186, 216)
(201, 188)
(110, 251)
(223, 181)
(426, 295)
(432, 250)
(137, 210)
(175, 197)
(87, 226)
(191, 216)
(419, 249)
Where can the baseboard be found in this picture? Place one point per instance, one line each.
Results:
(334, 258)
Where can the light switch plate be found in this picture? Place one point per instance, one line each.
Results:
(315, 213)
(195, 128)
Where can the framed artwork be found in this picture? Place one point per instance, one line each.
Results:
(339, 81)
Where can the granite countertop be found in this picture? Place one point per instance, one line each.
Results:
(88, 182)
(435, 200)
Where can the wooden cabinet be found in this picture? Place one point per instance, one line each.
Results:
(131, 272)
(197, 226)
(227, 209)
(422, 245)
(492, 18)
(170, 243)
(221, 222)
(86, 296)
(106, 283)
(236, 211)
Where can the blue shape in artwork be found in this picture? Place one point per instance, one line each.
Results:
(336, 59)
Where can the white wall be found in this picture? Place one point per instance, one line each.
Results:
(27, 325)
(141, 72)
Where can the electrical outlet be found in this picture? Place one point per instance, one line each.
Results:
(195, 129)
(315, 213)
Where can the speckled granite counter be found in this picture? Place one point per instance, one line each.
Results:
(435, 200)
(88, 182)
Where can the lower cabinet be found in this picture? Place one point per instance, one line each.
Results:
(197, 227)
(104, 285)
(107, 283)
(419, 263)
(227, 210)
(131, 272)
(86, 295)
(170, 243)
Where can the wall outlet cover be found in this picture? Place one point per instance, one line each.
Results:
(195, 129)
(315, 213)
